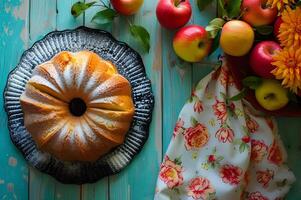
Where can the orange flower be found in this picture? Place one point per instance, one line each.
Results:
(287, 64)
(279, 4)
(290, 28)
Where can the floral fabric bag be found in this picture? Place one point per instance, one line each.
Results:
(223, 149)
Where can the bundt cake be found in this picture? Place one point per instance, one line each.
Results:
(77, 107)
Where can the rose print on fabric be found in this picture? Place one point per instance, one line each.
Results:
(264, 177)
(252, 125)
(225, 78)
(228, 149)
(215, 75)
(178, 128)
(270, 122)
(247, 178)
(275, 154)
(258, 150)
(230, 174)
(213, 160)
(196, 137)
(200, 188)
(198, 106)
(171, 172)
(220, 110)
(256, 196)
(225, 134)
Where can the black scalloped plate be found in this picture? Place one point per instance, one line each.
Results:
(129, 64)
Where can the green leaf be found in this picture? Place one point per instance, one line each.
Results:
(193, 121)
(252, 82)
(223, 95)
(239, 96)
(221, 8)
(79, 7)
(233, 8)
(104, 17)
(178, 161)
(220, 158)
(281, 183)
(264, 30)
(142, 35)
(202, 4)
(212, 196)
(215, 26)
(242, 147)
(215, 43)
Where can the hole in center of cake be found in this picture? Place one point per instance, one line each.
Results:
(77, 107)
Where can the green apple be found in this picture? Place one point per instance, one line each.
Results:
(271, 95)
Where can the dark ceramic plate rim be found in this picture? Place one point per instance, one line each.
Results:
(107, 168)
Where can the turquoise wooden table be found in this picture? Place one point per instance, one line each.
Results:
(22, 22)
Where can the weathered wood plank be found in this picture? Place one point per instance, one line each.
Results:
(13, 40)
(290, 132)
(208, 64)
(64, 19)
(176, 85)
(99, 190)
(172, 83)
(138, 180)
(47, 16)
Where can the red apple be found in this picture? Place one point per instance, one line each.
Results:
(277, 24)
(261, 58)
(173, 14)
(192, 43)
(126, 7)
(256, 13)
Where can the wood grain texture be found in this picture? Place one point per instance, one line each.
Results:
(290, 132)
(13, 34)
(138, 180)
(99, 190)
(47, 16)
(25, 21)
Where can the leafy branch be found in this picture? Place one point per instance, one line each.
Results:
(79, 7)
(214, 30)
(107, 16)
(229, 9)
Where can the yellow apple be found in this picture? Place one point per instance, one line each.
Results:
(271, 95)
(237, 38)
(126, 7)
(192, 43)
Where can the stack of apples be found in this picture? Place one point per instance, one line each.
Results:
(192, 43)
(237, 39)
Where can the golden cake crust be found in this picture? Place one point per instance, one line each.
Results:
(106, 94)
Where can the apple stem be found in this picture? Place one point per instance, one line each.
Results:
(178, 2)
(269, 96)
(242, 13)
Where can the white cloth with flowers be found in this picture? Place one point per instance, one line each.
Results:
(222, 149)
